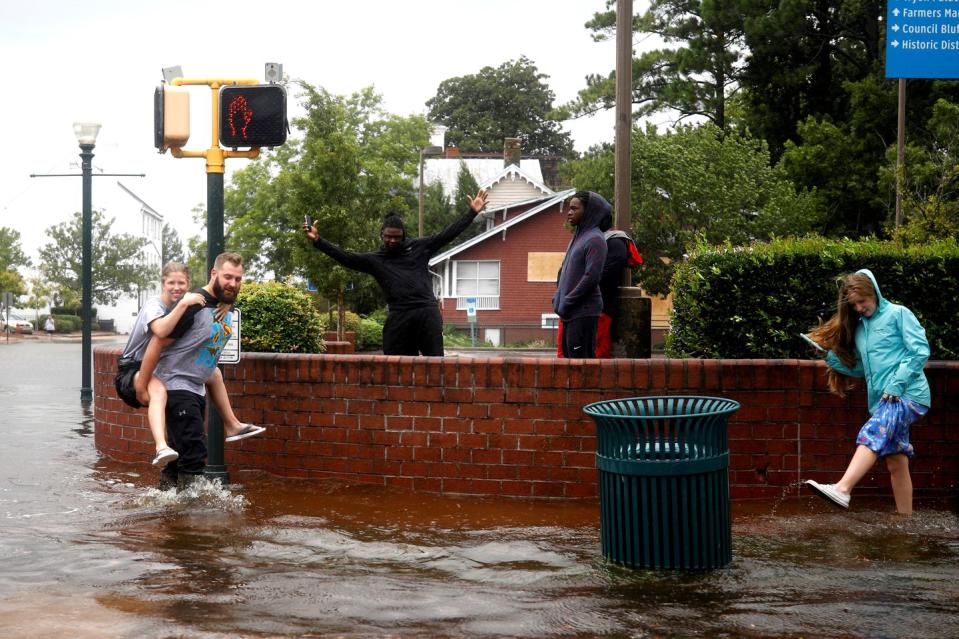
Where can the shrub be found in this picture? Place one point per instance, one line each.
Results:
(66, 323)
(278, 318)
(752, 301)
(370, 335)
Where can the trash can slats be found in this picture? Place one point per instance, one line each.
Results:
(664, 489)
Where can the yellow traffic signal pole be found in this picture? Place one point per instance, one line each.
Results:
(215, 164)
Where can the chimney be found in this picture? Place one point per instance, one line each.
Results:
(512, 151)
(438, 135)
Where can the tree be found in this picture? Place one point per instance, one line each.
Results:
(931, 180)
(117, 268)
(511, 100)
(11, 253)
(40, 294)
(694, 77)
(699, 183)
(172, 246)
(12, 282)
(351, 164)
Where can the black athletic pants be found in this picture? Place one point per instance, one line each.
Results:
(579, 337)
(413, 332)
(184, 423)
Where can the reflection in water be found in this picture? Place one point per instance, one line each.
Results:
(91, 549)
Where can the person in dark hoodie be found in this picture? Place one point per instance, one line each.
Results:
(578, 300)
(621, 253)
(414, 324)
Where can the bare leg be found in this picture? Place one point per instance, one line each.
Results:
(156, 412)
(862, 460)
(898, 466)
(221, 400)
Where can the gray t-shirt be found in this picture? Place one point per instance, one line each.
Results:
(140, 334)
(188, 362)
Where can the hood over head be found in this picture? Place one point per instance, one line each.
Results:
(880, 300)
(597, 209)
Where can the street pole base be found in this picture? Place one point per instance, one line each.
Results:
(217, 472)
(86, 394)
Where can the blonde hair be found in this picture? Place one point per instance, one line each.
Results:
(838, 333)
(174, 267)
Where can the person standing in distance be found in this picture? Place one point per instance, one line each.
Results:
(414, 325)
(578, 300)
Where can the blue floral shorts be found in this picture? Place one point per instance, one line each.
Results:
(887, 431)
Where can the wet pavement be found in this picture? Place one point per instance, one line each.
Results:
(90, 549)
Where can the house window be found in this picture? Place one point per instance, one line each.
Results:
(549, 320)
(479, 279)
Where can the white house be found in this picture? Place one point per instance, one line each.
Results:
(134, 216)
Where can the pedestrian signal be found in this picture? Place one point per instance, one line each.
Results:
(171, 117)
(252, 115)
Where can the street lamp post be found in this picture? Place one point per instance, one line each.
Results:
(86, 133)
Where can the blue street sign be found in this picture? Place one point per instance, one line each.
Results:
(922, 39)
(471, 308)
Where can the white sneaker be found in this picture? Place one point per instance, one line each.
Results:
(830, 492)
(164, 456)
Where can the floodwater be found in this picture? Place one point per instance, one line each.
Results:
(89, 549)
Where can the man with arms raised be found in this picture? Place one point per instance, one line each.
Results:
(185, 360)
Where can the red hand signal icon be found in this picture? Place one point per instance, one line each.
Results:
(239, 115)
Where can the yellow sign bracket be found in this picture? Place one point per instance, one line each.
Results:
(215, 156)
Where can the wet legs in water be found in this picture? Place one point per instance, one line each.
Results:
(898, 466)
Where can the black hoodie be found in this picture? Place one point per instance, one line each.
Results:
(402, 273)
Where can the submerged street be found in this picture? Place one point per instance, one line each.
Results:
(91, 549)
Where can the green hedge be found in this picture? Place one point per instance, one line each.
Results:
(65, 323)
(277, 318)
(751, 302)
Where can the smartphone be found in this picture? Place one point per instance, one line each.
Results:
(812, 343)
(307, 221)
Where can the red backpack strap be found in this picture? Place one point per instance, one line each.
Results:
(634, 259)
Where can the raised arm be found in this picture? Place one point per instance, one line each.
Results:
(447, 235)
(355, 261)
(162, 326)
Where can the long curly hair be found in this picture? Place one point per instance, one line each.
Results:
(838, 333)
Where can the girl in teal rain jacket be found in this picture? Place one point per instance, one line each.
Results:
(872, 338)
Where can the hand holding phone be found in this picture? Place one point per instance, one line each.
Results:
(307, 221)
(812, 343)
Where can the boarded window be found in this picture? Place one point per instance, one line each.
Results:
(543, 267)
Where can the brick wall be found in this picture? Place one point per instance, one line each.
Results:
(514, 426)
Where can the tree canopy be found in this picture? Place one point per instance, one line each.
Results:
(11, 252)
(511, 100)
(350, 164)
(696, 183)
(172, 246)
(693, 76)
(117, 267)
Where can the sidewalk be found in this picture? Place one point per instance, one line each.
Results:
(75, 336)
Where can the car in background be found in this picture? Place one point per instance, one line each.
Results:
(15, 324)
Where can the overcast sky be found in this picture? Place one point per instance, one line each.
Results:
(100, 60)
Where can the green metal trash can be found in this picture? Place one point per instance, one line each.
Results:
(664, 481)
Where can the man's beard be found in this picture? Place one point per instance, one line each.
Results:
(224, 295)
